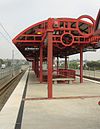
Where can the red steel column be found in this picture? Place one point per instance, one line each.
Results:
(65, 62)
(50, 57)
(41, 62)
(33, 65)
(81, 64)
(37, 67)
(57, 64)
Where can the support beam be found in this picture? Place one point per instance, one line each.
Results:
(41, 62)
(66, 66)
(81, 64)
(37, 67)
(57, 64)
(50, 58)
(33, 65)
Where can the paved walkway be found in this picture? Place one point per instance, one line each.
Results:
(72, 113)
(78, 110)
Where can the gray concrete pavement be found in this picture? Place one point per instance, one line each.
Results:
(72, 113)
(62, 113)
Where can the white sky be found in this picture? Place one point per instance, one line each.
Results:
(16, 15)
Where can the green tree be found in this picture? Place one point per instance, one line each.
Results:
(8, 63)
(73, 65)
(1, 62)
(93, 64)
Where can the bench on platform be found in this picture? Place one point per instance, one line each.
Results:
(63, 79)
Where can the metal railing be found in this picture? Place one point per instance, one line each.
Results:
(9, 71)
(69, 73)
(90, 73)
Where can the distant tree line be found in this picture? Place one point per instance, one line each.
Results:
(1, 62)
(73, 65)
(93, 65)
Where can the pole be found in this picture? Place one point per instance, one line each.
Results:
(50, 57)
(33, 65)
(81, 64)
(37, 67)
(12, 63)
(66, 62)
(57, 65)
(41, 61)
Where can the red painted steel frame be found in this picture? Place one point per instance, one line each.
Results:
(56, 38)
(88, 17)
(36, 68)
(41, 62)
(81, 64)
(67, 73)
(97, 31)
(33, 65)
(57, 64)
(66, 66)
(50, 58)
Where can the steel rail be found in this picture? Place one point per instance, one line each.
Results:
(10, 82)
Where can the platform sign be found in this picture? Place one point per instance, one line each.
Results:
(97, 25)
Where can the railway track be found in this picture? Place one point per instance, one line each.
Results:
(7, 89)
(92, 78)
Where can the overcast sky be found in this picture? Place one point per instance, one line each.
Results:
(16, 15)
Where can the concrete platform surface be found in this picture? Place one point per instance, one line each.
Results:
(72, 113)
(78, 109)
(8, 114)
(62, 114)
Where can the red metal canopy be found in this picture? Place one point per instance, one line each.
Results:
(68, 35)
(58, 37)
(97, 24)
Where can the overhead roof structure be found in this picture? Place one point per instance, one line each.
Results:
(67, 36)
(97, 25)
(58, 37)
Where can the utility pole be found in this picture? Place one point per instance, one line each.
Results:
(12, 63)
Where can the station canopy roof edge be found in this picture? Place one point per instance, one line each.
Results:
(97, 25)
(67, 36)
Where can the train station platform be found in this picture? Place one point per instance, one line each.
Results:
(74, 105)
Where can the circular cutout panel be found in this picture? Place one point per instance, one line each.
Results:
(82, 26)
(67, 39)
